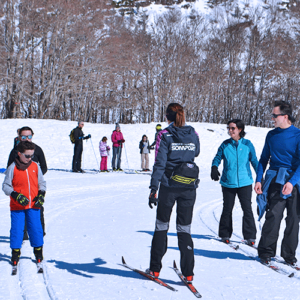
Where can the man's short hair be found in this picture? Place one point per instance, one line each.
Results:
(285, 108)
(25, 145)
(79, 122)
(25, 128)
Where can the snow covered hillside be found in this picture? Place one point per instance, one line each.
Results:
(92, 220)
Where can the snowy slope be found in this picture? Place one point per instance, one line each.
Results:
(94, 219)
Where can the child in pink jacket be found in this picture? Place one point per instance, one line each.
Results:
(104, 151)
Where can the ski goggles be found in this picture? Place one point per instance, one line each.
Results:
(27, 155)
(24, 137)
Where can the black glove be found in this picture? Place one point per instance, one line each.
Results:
(152, 198)
(39, 199)
(87, 137)
(20, 198)
(151, 147)
(214, 173)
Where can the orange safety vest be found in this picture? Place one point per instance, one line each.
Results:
(26, 183)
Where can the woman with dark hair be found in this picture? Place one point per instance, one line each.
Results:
(236, 179)
(144, 151)
(175, 170)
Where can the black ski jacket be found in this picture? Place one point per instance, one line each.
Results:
(78, 135)
(39, 157)
(141, 146)
(174, 145)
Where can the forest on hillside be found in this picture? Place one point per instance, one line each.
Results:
(82, 59)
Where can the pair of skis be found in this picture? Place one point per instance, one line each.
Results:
(39, 266)
(268, 265)
(162, 283)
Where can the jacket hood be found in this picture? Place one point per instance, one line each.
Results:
(180, 132)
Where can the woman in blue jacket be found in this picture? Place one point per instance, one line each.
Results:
(236, 179)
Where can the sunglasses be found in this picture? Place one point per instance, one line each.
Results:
(27, 155)
(231, 128)
(24, 137)
(277, 115)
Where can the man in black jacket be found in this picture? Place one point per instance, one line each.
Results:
(78, 147)
(26, 134)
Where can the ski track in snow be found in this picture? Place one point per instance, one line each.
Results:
(94, 219)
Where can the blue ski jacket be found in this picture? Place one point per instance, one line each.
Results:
(174, 145)
(236, 162)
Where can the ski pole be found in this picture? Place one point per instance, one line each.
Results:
(95, 154)
(126, 156)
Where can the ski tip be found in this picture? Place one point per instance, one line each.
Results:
(174, 264)
(291, 275)
(123, 260)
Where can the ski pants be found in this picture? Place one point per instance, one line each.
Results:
(34, 227)
(244, 195)
(270, 231)
(145, 161)
(117, 151)
(42, 222)
(185, 199)
(103, 164)
(76, 165)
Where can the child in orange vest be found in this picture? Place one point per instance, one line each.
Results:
(25, 184)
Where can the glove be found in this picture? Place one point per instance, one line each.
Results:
(152, 148)
(214, 173)
(39, 199)
(107, 148)
(20, 198)
(122, 141)
(87, 137)
(152, 198)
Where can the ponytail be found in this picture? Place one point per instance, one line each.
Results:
(175, 114)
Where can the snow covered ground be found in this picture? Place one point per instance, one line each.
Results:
(92, 220)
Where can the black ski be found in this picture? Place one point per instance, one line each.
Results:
(14, 270)
(40, 269)
(278, 270)
(297, 268)
(155, 279)
(188, 284)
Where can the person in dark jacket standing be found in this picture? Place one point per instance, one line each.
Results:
(158, 130)
(78, 147)
(281, 186)
(236, 153)
(118, 141)
(26, 134)
(175, 170)
(144, 151)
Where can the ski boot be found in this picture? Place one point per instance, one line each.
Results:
(38, 252)
(226, 240)
(15, 256)
(153, 274)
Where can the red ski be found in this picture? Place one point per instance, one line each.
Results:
(155, 279)
(188, 284)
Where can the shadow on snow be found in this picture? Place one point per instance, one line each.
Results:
(4, 239)
(85, 269)
(194, 236)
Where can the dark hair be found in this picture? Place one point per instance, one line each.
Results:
(240, 125)
(25, 128)
(144, 136)
(104, 139)
(25, 145)
(175, 114)
(285, 108)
